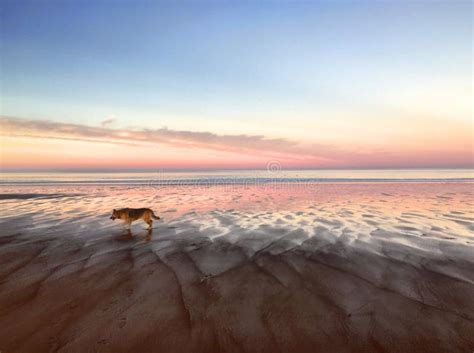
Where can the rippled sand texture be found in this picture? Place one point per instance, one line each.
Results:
(360, 267)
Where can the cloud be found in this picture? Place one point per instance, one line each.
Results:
(247, 144)
(108, 122)
(291, 153)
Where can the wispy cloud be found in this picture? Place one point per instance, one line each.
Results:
(291, 152)
(108, 122)
(247, 144)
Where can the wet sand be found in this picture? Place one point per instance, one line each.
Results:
(323, 268)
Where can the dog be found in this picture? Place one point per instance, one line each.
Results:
(130, 215)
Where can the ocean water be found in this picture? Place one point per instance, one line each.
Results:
(414, 204)
(272, 175)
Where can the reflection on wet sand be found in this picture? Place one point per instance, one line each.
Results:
(325, 268)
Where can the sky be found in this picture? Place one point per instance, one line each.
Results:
(235, 84)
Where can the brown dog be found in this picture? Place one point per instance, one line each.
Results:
(130, 215)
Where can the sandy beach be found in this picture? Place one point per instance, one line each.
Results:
(301, 174)
(321, 267)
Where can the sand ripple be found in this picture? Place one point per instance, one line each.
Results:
(332, 268)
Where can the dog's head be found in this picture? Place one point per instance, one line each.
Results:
(115, 214)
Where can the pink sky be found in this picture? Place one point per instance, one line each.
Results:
(312, 84)
(36, 144)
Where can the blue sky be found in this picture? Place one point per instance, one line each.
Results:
(278, 69)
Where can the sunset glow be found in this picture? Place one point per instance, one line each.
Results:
(319, 85)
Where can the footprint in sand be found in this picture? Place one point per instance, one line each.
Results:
(109, 305)
(206, 278)
(72, 305)
(122, 322)
(56, 322)
(53, 343)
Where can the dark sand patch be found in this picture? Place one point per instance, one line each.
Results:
(165, 292)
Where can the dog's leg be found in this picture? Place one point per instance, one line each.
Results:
(150, 223)
(147, 219)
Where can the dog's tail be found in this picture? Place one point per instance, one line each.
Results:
(154, 216)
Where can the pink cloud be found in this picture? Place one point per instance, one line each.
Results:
(253, 149)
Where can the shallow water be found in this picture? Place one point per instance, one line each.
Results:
(426, 211)
(332, 266)
(273, 174)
